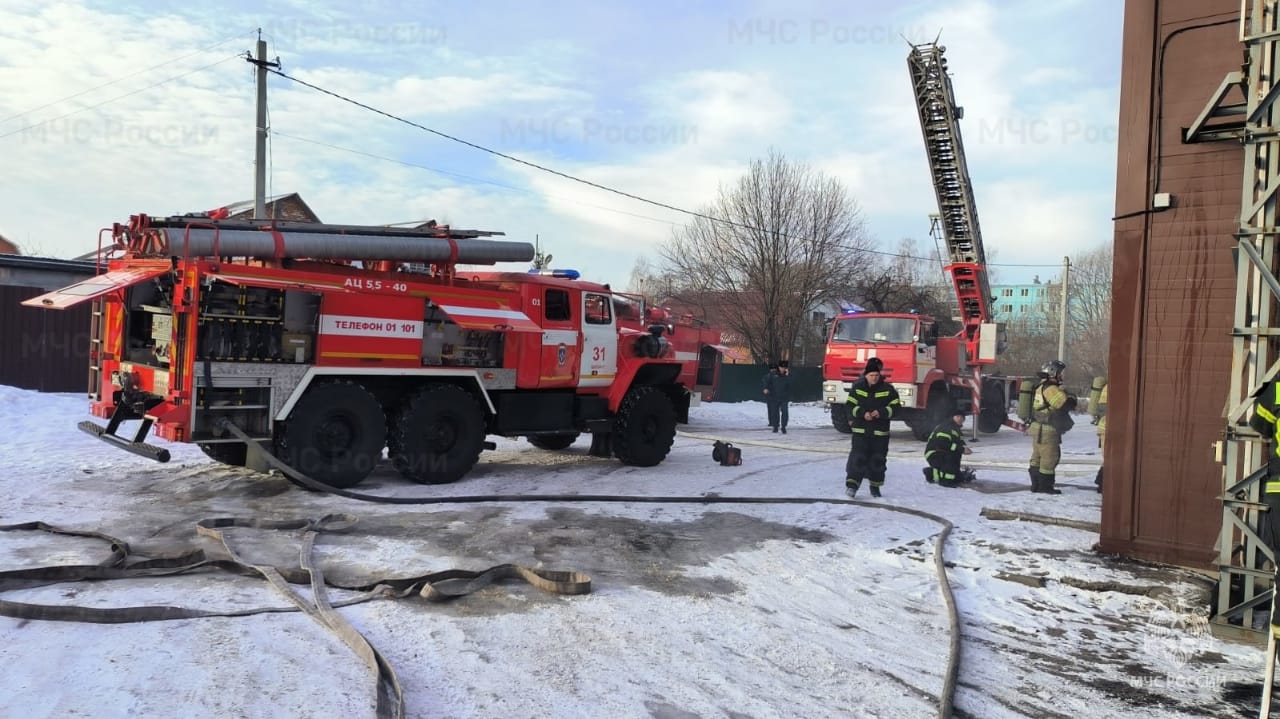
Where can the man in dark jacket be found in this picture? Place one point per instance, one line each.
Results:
(777, 394)
(771, 406)
(943, 452)
(871, 406)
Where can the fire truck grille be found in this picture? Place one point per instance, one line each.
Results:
(854, 373)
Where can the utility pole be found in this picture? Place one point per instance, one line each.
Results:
(1062, 323)
(260, 141)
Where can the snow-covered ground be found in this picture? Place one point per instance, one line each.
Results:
(696, 610)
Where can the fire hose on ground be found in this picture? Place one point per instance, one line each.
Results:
(437, 586)
(947, 695)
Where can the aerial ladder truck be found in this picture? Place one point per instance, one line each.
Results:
(933, 376)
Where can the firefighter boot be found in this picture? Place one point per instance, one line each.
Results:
(851, 486)
(875, 491)
(928, 474)
(1046, 484)
(1034, 473)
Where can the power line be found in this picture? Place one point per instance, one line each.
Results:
(589, 183)
(122, 78)
(473, 179)
(118, 97)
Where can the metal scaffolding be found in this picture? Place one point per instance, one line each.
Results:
(1245, 564)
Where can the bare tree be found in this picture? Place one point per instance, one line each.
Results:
(784, 240)
(650, 281)
(1089, 310)
(1034, 337)
(906, 280)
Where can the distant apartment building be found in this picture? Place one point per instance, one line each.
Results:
(1031, 305)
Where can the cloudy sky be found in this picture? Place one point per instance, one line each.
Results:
(109, 109)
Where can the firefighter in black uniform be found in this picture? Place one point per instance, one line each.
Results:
(1266, 408)
(943, 452)
(871, 406)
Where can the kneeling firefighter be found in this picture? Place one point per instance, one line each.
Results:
(1050, 419)
(943, 452)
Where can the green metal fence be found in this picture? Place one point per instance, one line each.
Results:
(742, 383)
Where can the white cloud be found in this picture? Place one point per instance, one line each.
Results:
(675, 136)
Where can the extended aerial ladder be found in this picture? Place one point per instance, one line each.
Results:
(962, 236)
(934, 376)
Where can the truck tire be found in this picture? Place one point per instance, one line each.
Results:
(233, 454)
(335, 434)
(994, 410)
(440, 432)
(645, 427)
(840, 418)
(553, 441)
(920, 430)
(991, 419)
(941, 406)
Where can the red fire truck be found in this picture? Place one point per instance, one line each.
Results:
(328, 343)
(933, 376)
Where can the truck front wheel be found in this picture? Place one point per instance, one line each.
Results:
(840, 417)
(645, 427)
(233, 454)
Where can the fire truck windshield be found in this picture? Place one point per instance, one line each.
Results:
(896, 330)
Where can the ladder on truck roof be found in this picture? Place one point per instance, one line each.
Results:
(939, 122)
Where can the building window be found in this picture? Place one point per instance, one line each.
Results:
(1026, 292)
(1007, 293)
(1009, 308)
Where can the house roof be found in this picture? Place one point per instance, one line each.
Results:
(243, 206)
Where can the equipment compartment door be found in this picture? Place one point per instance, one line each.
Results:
(360, 329)
(95, 287)
(599, 341)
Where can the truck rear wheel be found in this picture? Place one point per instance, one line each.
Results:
(941, 406)
(439, 435)
(920, 430)
(645, 427)
(553, 441)
(991, 419)
(335, 434)
(840, 417)
(233, 454)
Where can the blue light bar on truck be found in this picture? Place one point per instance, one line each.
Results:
(567, 274)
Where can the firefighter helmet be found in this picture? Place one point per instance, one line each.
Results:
(1052, 369)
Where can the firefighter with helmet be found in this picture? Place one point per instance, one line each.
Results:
(1050, 418)
(1266, 410)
